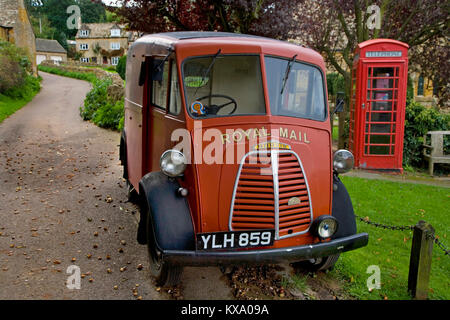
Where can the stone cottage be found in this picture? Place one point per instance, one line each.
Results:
(15, 27)
(49, 50)
(102, 43)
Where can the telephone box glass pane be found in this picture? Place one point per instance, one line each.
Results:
(382, 95)
(383, 72)
(379, 149)
(380, 128)
(380, 139)
(381, 117)
(382, 83)
(381, 106)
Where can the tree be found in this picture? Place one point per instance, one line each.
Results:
(55, 11)
(270, 18)
(42, 27)
(335, 27)
(332, 27)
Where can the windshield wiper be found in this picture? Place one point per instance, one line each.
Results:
(287, 73)
(208, 70)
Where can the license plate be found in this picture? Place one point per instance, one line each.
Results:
(235, 239)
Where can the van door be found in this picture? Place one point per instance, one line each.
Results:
(165, 113)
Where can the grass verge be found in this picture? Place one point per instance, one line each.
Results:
(394, 203)
(87, 76)
(15, 99)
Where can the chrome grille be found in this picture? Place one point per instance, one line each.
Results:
(271, 192)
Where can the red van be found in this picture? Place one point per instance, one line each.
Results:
(227, 148)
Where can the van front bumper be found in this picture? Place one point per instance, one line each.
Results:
(265, 256)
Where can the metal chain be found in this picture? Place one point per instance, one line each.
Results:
(403, 228)
(384, 226)
(440, 244)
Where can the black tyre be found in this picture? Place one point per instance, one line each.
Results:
(317, 264)
(164, 273)
(132, 194)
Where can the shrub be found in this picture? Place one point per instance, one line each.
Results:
(109, 115)
(121, 67)
(418, 121)
(102, 109)
(26, 90)
(95, 98)
(14, 66)
(335, 84)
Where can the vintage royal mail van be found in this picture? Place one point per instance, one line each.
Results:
(227, 147)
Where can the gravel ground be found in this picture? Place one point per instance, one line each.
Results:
(63, 205)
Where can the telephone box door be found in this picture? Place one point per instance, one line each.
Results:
(380, 115)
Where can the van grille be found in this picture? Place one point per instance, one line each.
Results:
(270, 196)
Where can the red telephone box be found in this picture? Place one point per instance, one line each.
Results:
(377, 104)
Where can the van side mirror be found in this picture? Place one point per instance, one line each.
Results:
(340, 103)
(157, 69)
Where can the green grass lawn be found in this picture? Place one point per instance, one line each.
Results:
(23, 95)
(9, 105)
(395, 203)
(87, 76)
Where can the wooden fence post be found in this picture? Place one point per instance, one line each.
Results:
(420, 261)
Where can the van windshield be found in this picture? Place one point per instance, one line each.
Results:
(295, 89)
(223, 85)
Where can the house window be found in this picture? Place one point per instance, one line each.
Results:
(84, 46)
(86, 60)
(115, 61)
(115, 32)
(115, 45)
(84, 33)
(420, 86)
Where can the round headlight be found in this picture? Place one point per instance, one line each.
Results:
(343, 161)
(172, 163)
(324, 227)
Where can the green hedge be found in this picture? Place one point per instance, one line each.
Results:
(335, 84)
(418, 121)
(101, 109)
(121, 67)
(17, 85)
(87, 76)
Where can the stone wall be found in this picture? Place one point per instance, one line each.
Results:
(87, 68)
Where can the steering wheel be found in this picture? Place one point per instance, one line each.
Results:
(213, 108)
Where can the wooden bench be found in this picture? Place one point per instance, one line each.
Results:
(435, 150)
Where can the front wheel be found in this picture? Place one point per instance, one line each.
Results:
(164, 273)
(317, 264)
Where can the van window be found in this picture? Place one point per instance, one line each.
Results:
(175, 97)
(159, 87)
(223, 85)
(295, 92)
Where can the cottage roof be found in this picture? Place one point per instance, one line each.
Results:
(101, 30)
(46, 45)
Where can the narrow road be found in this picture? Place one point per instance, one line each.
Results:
(63, 203)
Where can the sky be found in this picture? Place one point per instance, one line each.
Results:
(108, 2)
